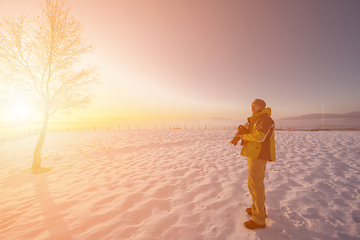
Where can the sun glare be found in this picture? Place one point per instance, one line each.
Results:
(18, 110)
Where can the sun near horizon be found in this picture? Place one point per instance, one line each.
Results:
(184, 60)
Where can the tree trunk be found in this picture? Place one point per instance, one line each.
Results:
(36, 165)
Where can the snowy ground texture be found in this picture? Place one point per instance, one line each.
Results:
(178, 185)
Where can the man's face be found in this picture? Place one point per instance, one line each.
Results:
(255, 109)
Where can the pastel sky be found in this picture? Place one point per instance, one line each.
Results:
(191, 59)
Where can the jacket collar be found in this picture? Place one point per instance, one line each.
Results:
(255, 117)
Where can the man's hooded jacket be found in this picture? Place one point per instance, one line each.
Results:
(260, 141)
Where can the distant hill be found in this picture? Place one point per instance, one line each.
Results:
(100, 119)
(218, 119)
(328, 121)
(322, 116)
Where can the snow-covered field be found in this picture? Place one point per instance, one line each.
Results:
(178, 184)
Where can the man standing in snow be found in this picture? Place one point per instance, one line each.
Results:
(259, 147)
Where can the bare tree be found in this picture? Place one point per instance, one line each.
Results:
(39, 55)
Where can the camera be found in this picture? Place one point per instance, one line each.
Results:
(241, 130)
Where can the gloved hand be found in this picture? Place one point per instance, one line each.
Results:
(238, 136)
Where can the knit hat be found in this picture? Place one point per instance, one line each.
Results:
(261, 103)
